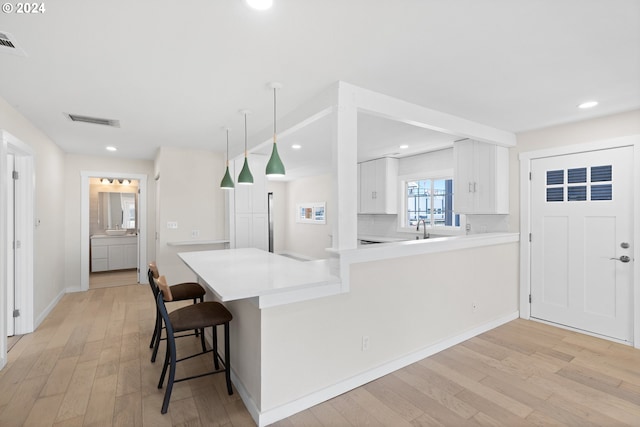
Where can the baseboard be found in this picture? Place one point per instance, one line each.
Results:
(271, 416)
(49, 308)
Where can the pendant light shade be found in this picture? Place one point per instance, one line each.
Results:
(227, 181)
(245, 177)
(275, 167)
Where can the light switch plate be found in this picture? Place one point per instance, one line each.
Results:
(172, 225)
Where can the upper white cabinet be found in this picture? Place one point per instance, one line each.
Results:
(379, 186)
(481, 182)
(251, 198)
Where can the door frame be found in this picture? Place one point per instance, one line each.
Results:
(84, 223)
(24, 226)
(525, 218)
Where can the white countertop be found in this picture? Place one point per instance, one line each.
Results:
(234, 274)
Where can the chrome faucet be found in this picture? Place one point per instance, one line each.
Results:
(425, 235)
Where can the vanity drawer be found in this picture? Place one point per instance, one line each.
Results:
(99, 252)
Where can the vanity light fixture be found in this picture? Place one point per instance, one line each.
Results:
(105, 181)
(126, 182)
(115, 181)
(275, 167)
(227, 181)
(587, 104)
(245, 177)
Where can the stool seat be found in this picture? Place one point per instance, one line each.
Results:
(198, 316)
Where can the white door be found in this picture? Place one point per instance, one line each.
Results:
(10, 249)
(581, 243)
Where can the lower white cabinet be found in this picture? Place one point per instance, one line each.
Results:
(114, 253)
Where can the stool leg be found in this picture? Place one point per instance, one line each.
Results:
(227, 359)
(155, 347)
(215, 347)
(165, 364)
(156, 330)
(172, 374)
(195, 301)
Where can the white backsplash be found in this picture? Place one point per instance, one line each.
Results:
(488, 223)
(378, 225)
(387, 225)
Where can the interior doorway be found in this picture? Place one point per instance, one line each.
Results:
(121, 254)
(17, 235)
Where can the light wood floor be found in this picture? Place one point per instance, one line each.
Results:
(88, 365)
(108, 279)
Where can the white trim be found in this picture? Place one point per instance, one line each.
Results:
(84, 223)
(50, 307)
(25, 206)
(525, 220)
(272, 415)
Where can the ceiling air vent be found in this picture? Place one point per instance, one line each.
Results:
(94, 120)
(8, 44)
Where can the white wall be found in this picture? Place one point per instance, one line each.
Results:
(74, 165)
(602, 128)
(188, 193)
(49, 237)
(403, 305)
(309, 240)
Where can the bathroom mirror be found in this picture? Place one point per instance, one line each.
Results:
(117, 210)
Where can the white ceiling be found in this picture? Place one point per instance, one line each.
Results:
(174, 73)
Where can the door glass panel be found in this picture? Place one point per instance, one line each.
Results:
(555, 194)
(555, 177)
(577, 193)
(601, 192)
(601, 173)
(577, 175)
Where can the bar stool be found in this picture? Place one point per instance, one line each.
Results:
(196, 316)
(181, 292)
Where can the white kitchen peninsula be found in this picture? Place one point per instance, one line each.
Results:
(297, 334)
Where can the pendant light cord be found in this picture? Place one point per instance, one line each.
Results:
(227, 147)
(274, 115)
(245, 134)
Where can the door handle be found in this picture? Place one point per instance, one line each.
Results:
(623, 258)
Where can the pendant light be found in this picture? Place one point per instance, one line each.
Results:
(245, 177)
(227, 181)
(275, 167)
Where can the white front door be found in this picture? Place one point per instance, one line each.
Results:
(581, 241)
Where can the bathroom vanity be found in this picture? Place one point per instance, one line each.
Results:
(113, 252)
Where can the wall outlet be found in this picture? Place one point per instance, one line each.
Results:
(195, 233)
(173, 225)
(365, 342)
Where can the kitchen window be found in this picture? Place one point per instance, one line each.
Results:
(430, 200)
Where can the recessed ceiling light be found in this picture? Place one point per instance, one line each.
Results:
(588, 104)
(404, 146)
(111, 148)
(260, 4)
(296, 146)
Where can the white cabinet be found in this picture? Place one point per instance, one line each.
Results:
(481, 181)
(250, 201)
(114, 253)
(378, 186)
